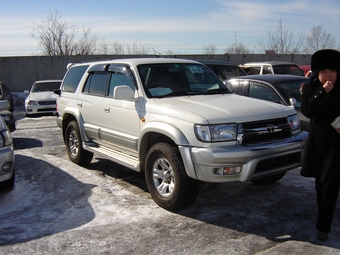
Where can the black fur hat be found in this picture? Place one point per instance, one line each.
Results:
(325, 59)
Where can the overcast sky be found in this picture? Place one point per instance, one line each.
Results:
(182, 26)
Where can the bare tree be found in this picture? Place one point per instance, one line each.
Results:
(103, 47)
(57, 37)
(170, 53)
(209, 49)
(319, 39)
(137, 48)
(87, 44)
(121, 48)
(237, 48)
(282, 41)
(117, 48)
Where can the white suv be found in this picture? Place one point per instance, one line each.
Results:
(272, 67)
(175, 121)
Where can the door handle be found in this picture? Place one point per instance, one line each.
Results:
(80, 104)
(107, 110)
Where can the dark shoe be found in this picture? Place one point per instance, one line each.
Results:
(322, 236)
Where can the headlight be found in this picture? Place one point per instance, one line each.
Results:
(216, 133)
(31, 102)
(5, 138)
(294, 122)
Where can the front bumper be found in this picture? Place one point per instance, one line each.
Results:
(255, 161)
(6, 157)
(40, 109)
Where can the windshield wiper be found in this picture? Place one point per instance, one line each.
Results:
(217, 91)
(183, 93)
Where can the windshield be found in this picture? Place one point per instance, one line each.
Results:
(292, 90)
(166, 80)
(45, 86)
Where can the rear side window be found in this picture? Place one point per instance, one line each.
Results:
(73, 78)
(96, 83)
(253, 70)
(267, 70)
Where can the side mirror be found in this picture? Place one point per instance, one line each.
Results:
(57, 91)
(292, 101)
(123, 92)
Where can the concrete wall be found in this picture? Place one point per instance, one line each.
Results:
(19, 73)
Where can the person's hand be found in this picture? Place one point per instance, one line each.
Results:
(338, 130)
(328, 86)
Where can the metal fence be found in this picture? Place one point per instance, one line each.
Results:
(19, 73)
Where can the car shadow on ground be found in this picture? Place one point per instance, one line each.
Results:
(117, 171)
(282, 211)
(42, 202)
(26, 143)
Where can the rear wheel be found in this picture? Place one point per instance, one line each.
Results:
(167, 181)
(74, 148)
(269, 179)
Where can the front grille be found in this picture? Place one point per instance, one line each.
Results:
(264, 131)
(46, 102)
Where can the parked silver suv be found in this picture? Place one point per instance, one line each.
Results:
(175, 121)
(7, 175)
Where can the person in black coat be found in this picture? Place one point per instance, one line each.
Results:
(320, 101)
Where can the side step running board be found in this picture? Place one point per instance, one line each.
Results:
(114, 155)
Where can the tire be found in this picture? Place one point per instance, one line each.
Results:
(269, 179)
(74, 148)
(9, 184)
(166, 179)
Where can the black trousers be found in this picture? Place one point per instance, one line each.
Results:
(327, 193)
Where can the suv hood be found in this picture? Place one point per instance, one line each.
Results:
(43, 96)
(222, 108)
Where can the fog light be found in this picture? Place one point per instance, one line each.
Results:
(227, 170)
(7, 167)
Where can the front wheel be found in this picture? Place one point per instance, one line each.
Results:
(166, 179)
(74, 148)
(269, 179)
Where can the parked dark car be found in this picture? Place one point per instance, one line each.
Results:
(6, 94)
(224, 70)
(282, 89)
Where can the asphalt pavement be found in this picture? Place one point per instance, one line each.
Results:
(58, 207)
